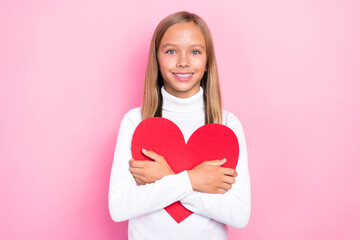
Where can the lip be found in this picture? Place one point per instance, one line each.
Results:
(183, 78)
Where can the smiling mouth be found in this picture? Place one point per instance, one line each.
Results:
(183, 75)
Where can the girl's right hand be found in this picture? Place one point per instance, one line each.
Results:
(210, 177)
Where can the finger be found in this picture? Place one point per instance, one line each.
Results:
(137, 163)
(136, 175)
(226, 186)
(216, 162)
(228, 179)
(228, 171)
(153, 155)
(139, 181)
(138, 171)
(221, 191)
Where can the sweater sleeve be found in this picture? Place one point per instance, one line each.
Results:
(233, 207)
(128, 200)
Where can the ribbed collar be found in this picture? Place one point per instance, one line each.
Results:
(175, 104)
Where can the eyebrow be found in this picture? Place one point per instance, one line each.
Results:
(192, 45)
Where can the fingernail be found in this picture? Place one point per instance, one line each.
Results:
(224, 160)
(143, 150)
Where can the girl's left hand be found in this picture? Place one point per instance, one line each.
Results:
(149, 171)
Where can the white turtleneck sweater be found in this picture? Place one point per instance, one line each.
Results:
(144, 205)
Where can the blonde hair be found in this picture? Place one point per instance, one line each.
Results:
(152, 98)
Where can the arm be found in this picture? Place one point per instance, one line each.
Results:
(232, 207)
(206, 177)
(127, 199)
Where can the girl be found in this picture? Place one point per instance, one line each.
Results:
(181, 84)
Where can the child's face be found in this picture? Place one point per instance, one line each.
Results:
(182, 59)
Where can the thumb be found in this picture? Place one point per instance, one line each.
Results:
(154, 156)
(217, 162)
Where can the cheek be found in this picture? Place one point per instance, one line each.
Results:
(200, 63)
(165, 63)
(165, 67)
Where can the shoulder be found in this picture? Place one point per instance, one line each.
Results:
(133, 116)
(230, 120)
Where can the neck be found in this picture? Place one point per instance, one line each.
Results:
(176, 104)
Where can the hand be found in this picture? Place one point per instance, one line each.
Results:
(210, 177)
(149, 171)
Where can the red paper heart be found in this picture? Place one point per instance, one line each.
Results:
(209, 142)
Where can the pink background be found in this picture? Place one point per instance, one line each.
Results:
(289, 70)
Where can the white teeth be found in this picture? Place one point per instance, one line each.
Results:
(183, 75)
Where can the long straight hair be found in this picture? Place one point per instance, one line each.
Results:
(152, 98)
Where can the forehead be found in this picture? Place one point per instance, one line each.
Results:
(183, 34)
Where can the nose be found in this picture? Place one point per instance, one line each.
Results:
(183, 61)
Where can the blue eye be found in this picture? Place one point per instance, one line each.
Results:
(195, 52)
(171, 51)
